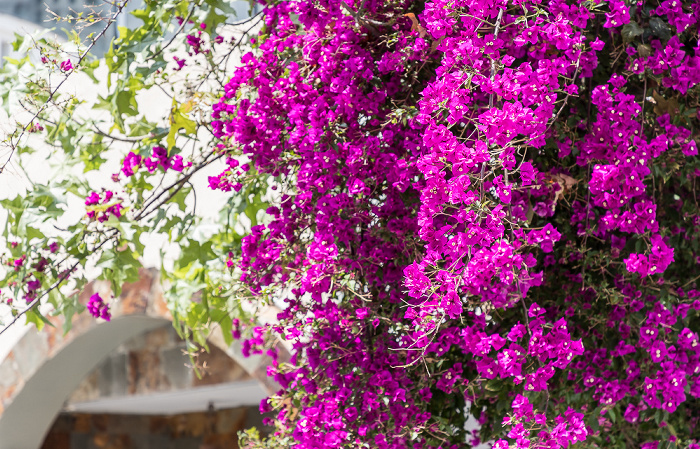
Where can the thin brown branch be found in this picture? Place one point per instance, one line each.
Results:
(61, 279)
(52, 94)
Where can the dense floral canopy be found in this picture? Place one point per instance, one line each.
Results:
(480, 224)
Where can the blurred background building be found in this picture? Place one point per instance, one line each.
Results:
(27, 16)
(127, 383)
(33, 14)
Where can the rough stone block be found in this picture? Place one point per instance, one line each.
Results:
(160, 338)
(83, 423)
(113, 376)
(57, 440)
(186, 443)
(129, 424)
(220, 368)
(158, 441)
(230, 421)
(175, 366)
(101, 422)
(109, 441)
(159, 424)
(64, 423)
(80, 441)
(8, 373)
(144, 373)
(219, 442)
(87, 390)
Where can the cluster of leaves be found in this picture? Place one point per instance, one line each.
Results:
(132, 155)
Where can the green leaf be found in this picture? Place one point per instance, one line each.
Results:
(125, 101)
(630, 31)
(660, 28)
(39, 320)
(179, 121)
(18, 42)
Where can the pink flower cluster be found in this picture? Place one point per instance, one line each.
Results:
(231, 177)
(97, 307)
(159, 158)
(101, 207)
(481, 207)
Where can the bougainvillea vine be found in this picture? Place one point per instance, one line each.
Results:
(487, 211)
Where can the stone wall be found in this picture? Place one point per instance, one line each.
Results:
(206, 430)
(35, 348)
(112, 368)
(155, 362)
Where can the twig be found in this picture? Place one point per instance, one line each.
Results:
(244, 21)
(690, 281)
(56, 284)
(224, 60)
(566, 99)
(493, 62)
(144, 212)
(361, 21)
(110, 21)
(172, 39)
(127, 139)
(644, 99)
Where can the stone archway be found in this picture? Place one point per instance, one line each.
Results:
(44, 367)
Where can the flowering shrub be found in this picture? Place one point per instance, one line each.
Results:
(486, 209)
(479, 219)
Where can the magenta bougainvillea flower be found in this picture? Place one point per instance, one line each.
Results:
(97, 307)
(479, 210)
